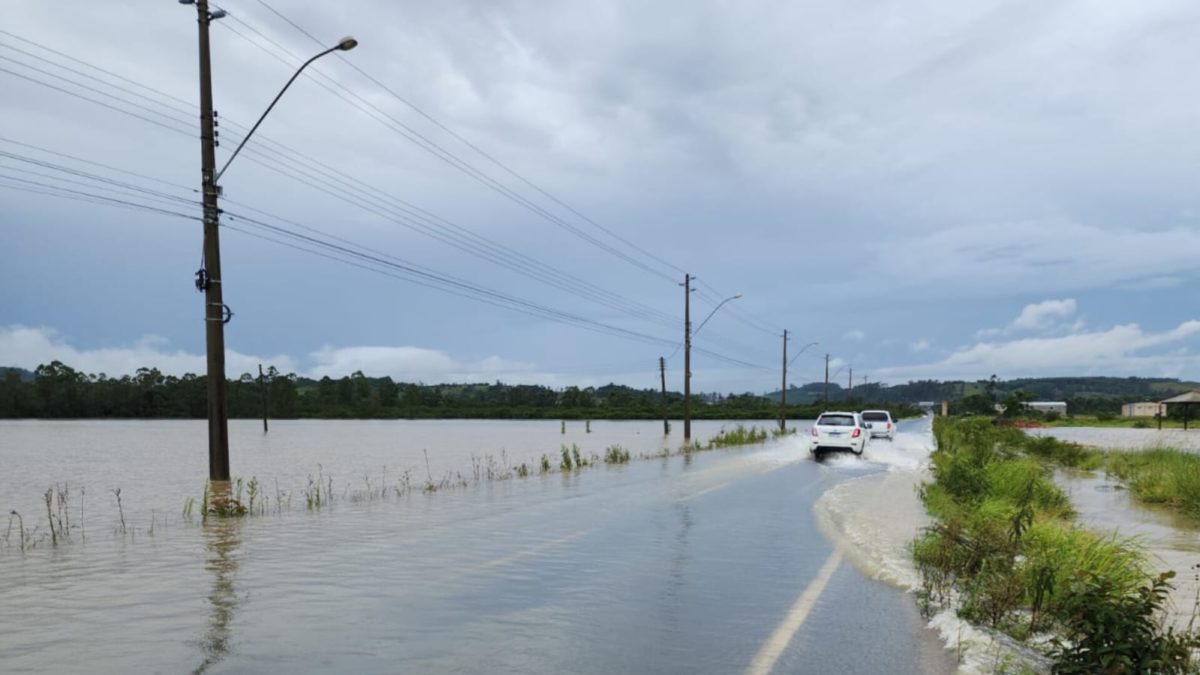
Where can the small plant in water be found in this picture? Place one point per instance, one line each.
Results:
(545, 464)
(615, 454)
(120, 509)
(565, 464)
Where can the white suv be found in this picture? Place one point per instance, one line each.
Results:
(839, 431)
(880, 423)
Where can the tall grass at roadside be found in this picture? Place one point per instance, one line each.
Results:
(1160, 476)
(1004, 551)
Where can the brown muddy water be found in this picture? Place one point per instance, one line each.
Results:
(690, 564)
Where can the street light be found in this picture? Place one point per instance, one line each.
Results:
(208, 278)
(783, 391)
(687, 351)
(345, 44)
(811, 344)
(710, 314)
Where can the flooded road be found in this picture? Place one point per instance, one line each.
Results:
(709, 563)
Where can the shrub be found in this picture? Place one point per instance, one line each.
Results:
(1115, 629)
(1003, 543)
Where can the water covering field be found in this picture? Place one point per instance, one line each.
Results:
(678, 563)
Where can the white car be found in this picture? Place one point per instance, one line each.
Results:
(839, 431)
(880, 423)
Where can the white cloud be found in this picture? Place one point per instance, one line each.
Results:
(855, 335)
(921, 345)
(1120, 350)
(412, 364)
(28, 347)
(1044, 314)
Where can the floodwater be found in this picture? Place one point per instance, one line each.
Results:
(1171, 539)
(709, 563)
(1125, 439)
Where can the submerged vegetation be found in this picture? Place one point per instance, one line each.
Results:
(1004, 550)
(739, 435)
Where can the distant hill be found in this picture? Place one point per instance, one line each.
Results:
(25, 375)
(1111, 389)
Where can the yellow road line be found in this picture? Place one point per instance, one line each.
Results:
(773, 648)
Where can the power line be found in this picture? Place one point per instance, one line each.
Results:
(412, 217)
(176, 109)
(80, 195)
(475, 148)
(350, 254)
(422, 141)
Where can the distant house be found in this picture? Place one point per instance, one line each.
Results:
(1143, 409)
(1185, 401)
(1059, 407)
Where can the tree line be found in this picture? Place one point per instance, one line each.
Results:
(55, 390)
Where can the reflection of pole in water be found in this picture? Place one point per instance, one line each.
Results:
(677, 572)
(222, 543)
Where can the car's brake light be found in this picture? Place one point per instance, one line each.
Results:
(856, 433)
(814, 430)
(889, 426)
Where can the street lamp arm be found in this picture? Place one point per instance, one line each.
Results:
(811, 344)
(714, 311)
(345, 45)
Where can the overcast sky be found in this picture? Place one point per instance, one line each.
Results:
(928, 189)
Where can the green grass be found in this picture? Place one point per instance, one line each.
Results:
(739, 435)
(615, 454)
(1162, 476)
(1004, 545)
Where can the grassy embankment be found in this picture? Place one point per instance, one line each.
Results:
(1005, 551)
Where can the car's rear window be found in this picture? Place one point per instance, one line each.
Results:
(836, 420)
(875, 416)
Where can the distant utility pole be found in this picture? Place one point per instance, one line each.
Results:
(208, 279)
(826, 379)
(262, 388)
(783, 389)
(687, 358)
(850, 378)
(662, 377)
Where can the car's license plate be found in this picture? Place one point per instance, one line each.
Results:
(835, 433)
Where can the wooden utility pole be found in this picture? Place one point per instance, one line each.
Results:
(208, 279)
(662, 378)
(826, 380)
(687, 358)
(266, 400)
(783, 390)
